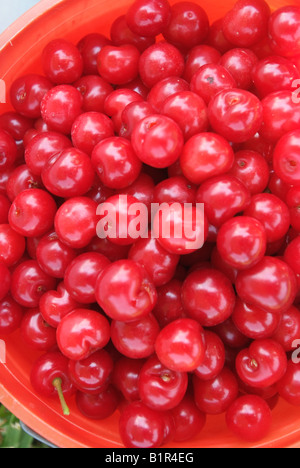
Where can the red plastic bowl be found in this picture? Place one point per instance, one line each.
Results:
(20, 49)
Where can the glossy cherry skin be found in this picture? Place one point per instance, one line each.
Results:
(188, 25)
(117, 101)
(180, 228)
(249, 418)
(284, 31)
(197, 57)
(93, 374)
(242, 242)
(89, 129)
(100, 406)
(287, 331)
(32, 213)
(118, 65)
(223, 196)
(157, 141)
(121, 34)
(126, 377)
(81, 275)
(53, 256)
(274, 74)
(270, 285)
(255, 13)
(8, 150)
(47, 368)
(116, 163)
(148, 18)
(112, 251)
(15, 124)
(262, 364)
(251, 168)
(289, 385)
(206, 155)
(280, 115)
(239, 63)
(141, 427)
(22, 179)
(27, 92)
(62, 62)
(231, 335)
(125, 292)
(161, 388)
(272, 213)
(12, 245)
(211, 79)
(36, 332)
(29, 282)
(254, 322)
(75, 222)
(158, 262)
(56, 174)
(94, 91)
(180, 345)
(55, 304)
(175, 189)
(235, 114)
(208, 297)
(189, 111)
(4, 209)
(216, 395)
(89, 47)
(131, 115)
(60, 107)
(164, 89)
(159, 61)
(216, 38)
(42, 147)
(135, 340)
(214, 359)
(287, 158)
(11, 315)
(82, 332)
(189, 420)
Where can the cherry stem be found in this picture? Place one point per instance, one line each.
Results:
(57, 384)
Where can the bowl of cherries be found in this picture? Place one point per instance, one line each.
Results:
(150, 223)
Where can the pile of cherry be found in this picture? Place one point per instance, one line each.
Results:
(169, 109)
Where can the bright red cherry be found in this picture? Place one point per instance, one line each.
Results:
(89, 47)
(249, 418)
(12, 245)
(206, 155)
(286, 158)
(214, 359)
(62, 62)
(36, 332)
(32, 213)
(216, 395)
(93, 374)
(148, 18)
(208, 296)
(81, 275)
(11, 315)
(82, 332)
(157, 141)
(262, 364)
(125, 292)
(135, 340)
(49, 378)
(68, 174)
(89, 129)
(289, 385)
(242, 242)
(180, 346)
(75, 222)
(8, 150)
(118, 65)
(53, 256)
(284, 31)
(100, 406)
(188, 419)
(27, 93)
(161, 388)
(270, 285)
